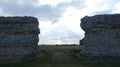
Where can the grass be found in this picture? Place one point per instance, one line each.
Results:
(61, 56)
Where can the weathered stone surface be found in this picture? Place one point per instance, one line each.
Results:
(102, 36)
(18, 38)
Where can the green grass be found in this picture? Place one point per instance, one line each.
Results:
(61, 56)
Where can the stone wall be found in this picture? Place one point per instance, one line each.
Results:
(18, 38)
(102, 36)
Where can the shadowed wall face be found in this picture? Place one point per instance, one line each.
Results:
(102, 36)
(18, 38)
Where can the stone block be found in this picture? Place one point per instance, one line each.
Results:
(102, 36)
(18, 38)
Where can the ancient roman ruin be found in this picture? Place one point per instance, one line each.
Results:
(18, 38)
(102, 36)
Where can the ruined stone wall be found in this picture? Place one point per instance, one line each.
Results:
(18, 38)
(102, 36)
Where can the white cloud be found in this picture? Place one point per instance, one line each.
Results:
(45, 24)
(96, 5)
(51, 2)
(93, 3)
(117, 8)
(57, 33)
(71, 19)
(67, 17)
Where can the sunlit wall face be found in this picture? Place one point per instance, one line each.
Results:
(59, 19)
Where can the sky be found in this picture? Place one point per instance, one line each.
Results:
(59, 20)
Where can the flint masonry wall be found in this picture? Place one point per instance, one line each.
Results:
(18, 38)
(102, 36)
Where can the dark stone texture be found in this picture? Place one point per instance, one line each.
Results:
(102, 36)
(18, 39)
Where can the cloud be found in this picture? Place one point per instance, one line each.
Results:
(46, 14)
(117, 8)
(59, 19)
(53, 3)
(71, 19)
(66, 30)
(2, 13)
(27, 8)
(100, 6)
(93, 6)
(78, 4)
(57, 33)
(42, 12)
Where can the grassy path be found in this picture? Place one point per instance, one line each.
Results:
(60, 56)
